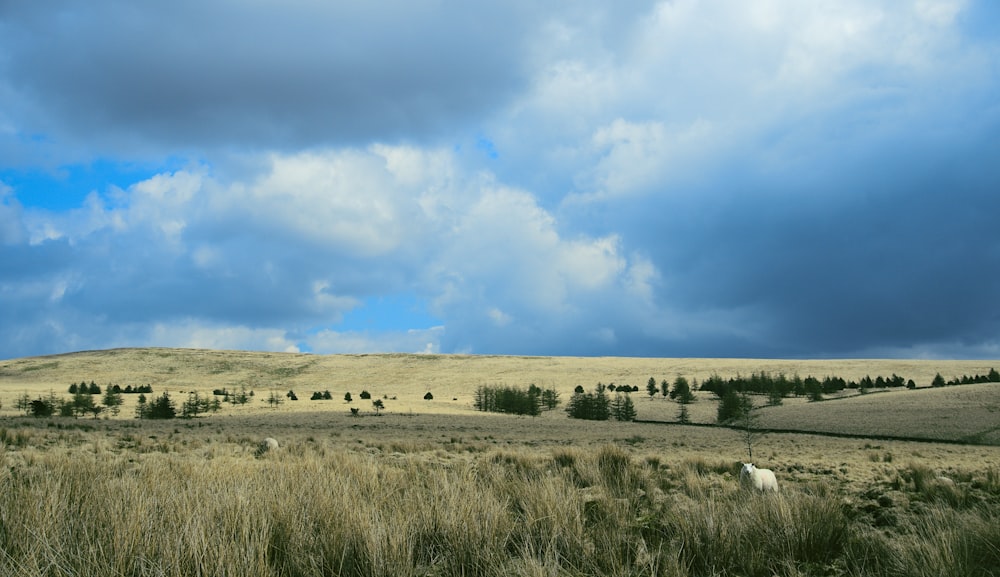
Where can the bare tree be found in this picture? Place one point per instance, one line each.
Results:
(748, 420)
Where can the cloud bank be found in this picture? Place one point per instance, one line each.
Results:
(662, 179)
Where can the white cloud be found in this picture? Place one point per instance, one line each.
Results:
(629, 147)
(317, 233)
(940, 12)
(499, 318)
(635, 157)
(507, 252)
(343, 200)
(196, 334)
(12, 229)
(353, 342)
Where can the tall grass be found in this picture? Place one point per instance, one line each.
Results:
(317, 510)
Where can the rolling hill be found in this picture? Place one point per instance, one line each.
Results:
(965, 413)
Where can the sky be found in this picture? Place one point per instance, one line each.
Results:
(685, 178)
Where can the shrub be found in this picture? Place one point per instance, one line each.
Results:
(66, 409)
(41, 408)
(365, 395)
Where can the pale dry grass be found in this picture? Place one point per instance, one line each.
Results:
(477, 495)
(969, 413)
(402, 380)
(434, 488)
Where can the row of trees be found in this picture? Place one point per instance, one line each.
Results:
(95, 389)
(992, 377)
(598, 406)
(80, 404)
(240, 397)
(782, 386)
(507, 399)
(83, 404)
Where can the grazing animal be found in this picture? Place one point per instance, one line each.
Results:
(760, 479)
(267, 445)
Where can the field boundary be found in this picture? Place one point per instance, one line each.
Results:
(874, 437)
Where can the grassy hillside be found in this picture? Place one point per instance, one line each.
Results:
(435, 488)
(968, 413)
(956, 413)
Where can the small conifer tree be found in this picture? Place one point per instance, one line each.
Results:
(682, 415)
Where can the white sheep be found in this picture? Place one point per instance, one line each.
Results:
(266, 445)
(944, 481)
(760, 479)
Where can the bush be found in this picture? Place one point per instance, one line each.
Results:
(365, 395)
(41, 408)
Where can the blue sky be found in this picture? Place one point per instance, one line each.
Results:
(714, 178)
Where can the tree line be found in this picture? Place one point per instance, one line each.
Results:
(513, 400)
(599, 406)
(95, 389)
(992, 377)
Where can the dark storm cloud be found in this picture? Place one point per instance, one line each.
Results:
(891, 251)
(194, 74)
(681, 178)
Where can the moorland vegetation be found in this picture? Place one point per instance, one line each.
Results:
(451, 490)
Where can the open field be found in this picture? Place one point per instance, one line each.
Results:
(435, 488)
(967, 413)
